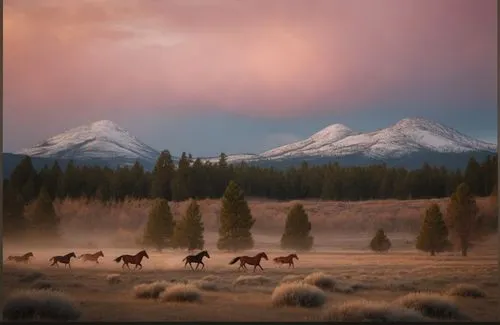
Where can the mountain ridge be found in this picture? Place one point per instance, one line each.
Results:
(106, 144)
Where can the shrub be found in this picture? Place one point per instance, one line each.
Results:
(364, 310)
(298, 294)
(40, 305)
(466, 290)
(150, 290)
(206, 285)
(380, 243)
(432, 305)
(113, 278)
(321, 280)
(292, 278)
(181, 293)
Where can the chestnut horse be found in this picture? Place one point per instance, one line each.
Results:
(286, 260)
(92, 257)
(19, 259)
(132, 259)
(66, 259)
(251, 260)
(198, 259)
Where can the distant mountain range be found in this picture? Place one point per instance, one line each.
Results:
(408, 143)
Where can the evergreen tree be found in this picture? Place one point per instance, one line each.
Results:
(380, 243)
(235, 220)
(462, 217)
(180, 182)
(188, 231)
(24, 179)
(14, 222)
(297, 229)
(160, 225)
(433, 236)
(44, 220)
(163, 174)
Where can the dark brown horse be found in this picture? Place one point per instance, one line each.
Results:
(66, 259)
(286, 260)
(21, 259)
(132, 259)
(252, 260)
(91, 257)
(198, 259)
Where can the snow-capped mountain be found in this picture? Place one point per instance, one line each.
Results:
(99, 140)
(406, 137)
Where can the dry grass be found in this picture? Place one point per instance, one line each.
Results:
(321, 280)
(466, 290)
(251, 280)
(113, 278)
(31, 276)
(432, 305)
(292, 278)
(206, 285)
(211, 277)
(42, 285)
(181, 293)
(40, 305)
(150, 290)
(365, 310)
(298, 295)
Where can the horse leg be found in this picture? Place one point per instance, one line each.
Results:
(191, 265)
(69, 264)
(202, 265)
(260, 267)
(197, 265)
(140, 266)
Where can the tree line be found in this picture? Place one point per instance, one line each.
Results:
(200, 180)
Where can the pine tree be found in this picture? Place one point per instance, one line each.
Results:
(160, 225)
(163, 174)
(462, 217)
(44, 220)
(180, 182)
(433, 236)
(14, 222)
(380, 243)
(188, 231)
(235, 220)
(24, 179)
(297, 228)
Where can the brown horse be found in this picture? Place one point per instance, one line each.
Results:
(286, 260)
(21, 259)
(198, 259)
(92, 257)
(132, 259)
(252, 260)
(66, 259)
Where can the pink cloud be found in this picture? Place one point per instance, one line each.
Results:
(247, 57)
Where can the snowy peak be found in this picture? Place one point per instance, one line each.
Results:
(99, 140)
(333, 132)
(407, 136)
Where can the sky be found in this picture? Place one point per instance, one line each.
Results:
(210, 76)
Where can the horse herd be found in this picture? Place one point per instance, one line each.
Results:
(137, 258)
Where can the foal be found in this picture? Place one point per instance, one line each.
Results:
(286, 260)
(91, 257)
(66, 259)
(198, 259)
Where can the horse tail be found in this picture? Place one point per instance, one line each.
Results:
(185, 258)
(117, 260)
(234, 260)
(51, 259)
(80, 256)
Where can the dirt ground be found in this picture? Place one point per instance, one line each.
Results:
(385, 277)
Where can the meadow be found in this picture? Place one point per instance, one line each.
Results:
(340, 279)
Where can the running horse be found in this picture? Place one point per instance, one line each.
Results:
(92, 257)
(286, 260)
(251, 260)
(132, 259)
(198, 259)
(21, 259)
(66, 259)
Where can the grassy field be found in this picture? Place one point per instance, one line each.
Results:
(105, 292)
(340, 279)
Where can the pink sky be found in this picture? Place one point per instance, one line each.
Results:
(249, 57)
